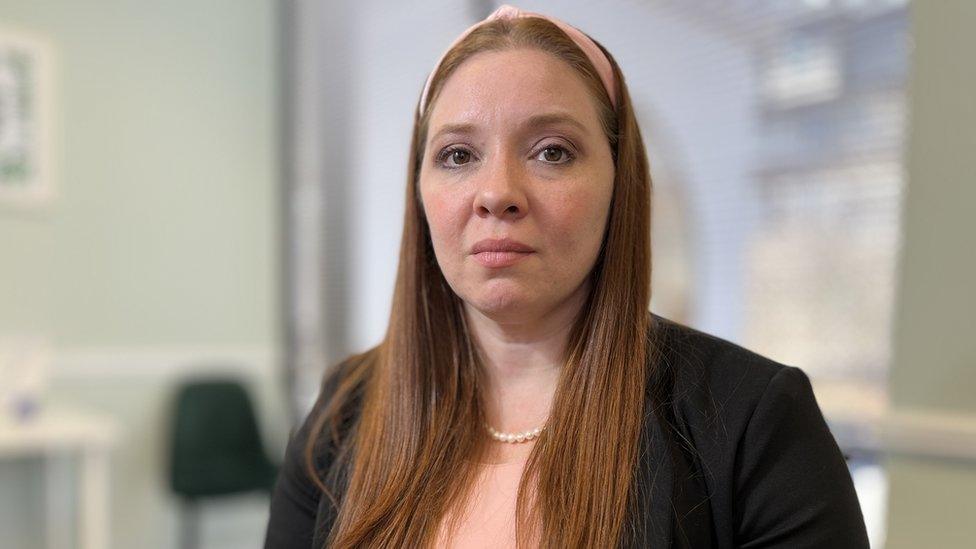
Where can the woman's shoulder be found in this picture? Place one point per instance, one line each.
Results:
(764, 447)
(342, 387)
(698, 352)
(708, 369)
(296, 501)
(333, 413)
(720, 390)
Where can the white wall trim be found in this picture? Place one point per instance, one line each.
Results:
(162, 361)
(915, 432)
(929, 433)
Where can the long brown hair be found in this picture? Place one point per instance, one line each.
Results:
(404, 419)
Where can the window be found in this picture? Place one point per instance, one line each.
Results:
(776, 132)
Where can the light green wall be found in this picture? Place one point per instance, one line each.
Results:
(162, 247)
(930, 504)
(935, 347)
(935, 340)
(165, 229)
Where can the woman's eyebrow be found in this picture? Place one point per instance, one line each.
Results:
(531, 123)
(552, 119)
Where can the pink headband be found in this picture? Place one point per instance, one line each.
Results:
(585, 43)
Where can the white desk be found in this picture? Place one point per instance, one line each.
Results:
(58, 435)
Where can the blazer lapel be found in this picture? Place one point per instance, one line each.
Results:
(324, 520)
(654, 487)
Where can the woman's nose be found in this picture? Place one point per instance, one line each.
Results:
(501, 192)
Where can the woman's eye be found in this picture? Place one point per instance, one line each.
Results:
(554, 154)
(457, 157)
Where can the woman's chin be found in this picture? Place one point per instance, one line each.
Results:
(502, 304)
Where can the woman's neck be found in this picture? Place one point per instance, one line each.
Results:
(523, 361)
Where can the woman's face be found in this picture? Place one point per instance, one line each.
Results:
(516, 183)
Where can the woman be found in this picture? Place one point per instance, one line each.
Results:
(523, 393)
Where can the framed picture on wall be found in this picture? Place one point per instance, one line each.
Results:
(26, 172)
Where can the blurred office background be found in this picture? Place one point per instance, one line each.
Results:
(194, 192)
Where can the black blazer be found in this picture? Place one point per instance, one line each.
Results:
(735, 454)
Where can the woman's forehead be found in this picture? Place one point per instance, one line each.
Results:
(526, 124)
(510, 89)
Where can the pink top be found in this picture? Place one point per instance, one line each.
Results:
(489, 515)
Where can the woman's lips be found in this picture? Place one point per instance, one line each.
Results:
(497, 260)
(496, 253)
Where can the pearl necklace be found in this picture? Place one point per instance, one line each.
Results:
(524, 436)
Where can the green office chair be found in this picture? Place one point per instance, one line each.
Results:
(216, 448)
